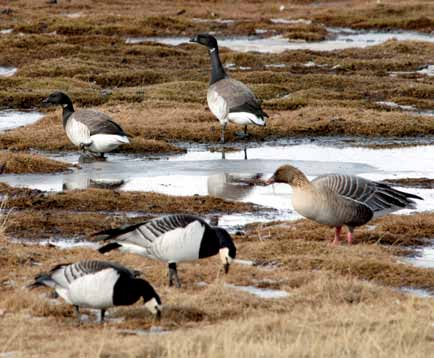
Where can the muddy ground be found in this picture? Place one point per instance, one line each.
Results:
(337, 301)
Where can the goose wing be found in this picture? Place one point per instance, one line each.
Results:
(64, 274)
(239, 97)
(98, 123)
(145, 234)
(377, 196)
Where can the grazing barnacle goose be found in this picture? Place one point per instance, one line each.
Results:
(99, 285)
(172, 239)
(91, 131)
(228, 99)
(338, 200)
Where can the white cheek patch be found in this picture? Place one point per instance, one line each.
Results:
(224, 256)
(153, 306)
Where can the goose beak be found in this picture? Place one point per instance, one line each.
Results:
(158, 315)
(45, 102)
(194, 39)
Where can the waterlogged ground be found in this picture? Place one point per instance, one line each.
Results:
(348, 86)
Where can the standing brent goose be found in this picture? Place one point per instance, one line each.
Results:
(338, 200)
(91, 131)
(172, 239)
(99, 285)
(228, 99)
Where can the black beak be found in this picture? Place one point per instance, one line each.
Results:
(194, 39)
(158, 315)
(45, 102)
(226, 267)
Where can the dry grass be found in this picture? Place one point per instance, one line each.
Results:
(104, 199)
(24, 163)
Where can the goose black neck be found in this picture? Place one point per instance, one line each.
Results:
(217, 71)
(68, 109)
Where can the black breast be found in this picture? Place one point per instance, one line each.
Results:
(125, 291)
(210, 244)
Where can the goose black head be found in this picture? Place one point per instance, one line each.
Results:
(150, 298)
(228, 251)
(206, 40)
(57, 98)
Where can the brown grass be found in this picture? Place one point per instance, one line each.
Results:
(24, 163)
(109, 200)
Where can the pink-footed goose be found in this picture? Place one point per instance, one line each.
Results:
(341, 200)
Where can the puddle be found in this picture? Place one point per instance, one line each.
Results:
(143, 332)
(218, 21)
(60, 243)
(407, 108)
(291, 21)
(424, 257)
(417, 292)
(259, 292)
(7, 71)
(10, 119)
(73, 15)
(428, 70)
(341, 38)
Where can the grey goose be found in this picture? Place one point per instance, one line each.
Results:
(99, 285)
(171, 239)
(341, 200)
(228, 99)
(91, 131)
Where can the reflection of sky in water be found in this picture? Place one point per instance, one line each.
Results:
(10, 119)
(341, 39)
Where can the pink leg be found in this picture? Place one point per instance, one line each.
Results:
(337, 235)
(350, 237)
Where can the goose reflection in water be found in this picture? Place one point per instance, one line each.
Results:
(231, 186)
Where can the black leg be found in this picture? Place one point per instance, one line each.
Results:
(222, 133)
(102, 317)
(173, 275)
(245, 131)
(77, 313)
(245, 153)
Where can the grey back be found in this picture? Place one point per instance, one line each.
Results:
(98, 123)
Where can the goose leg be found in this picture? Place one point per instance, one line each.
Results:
(222, 133)
(350, 236)
(101, 319)
(242, 135)
(173, 275)
(77, 313)
(337, 235)
(245, 153)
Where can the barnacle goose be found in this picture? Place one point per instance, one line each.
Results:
(172, 239)
(99, 285)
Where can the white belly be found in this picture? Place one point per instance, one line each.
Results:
(94, 291)
(179, 245)
(217, 105)
(77, 132)
(103, 143)
(245, 119)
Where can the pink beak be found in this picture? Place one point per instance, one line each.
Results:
(270, 181)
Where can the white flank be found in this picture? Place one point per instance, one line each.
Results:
(77, 132)
(95, 290)
(246, 118)
(103, 143)
(217, 105)
(133, 249)
(181, 244)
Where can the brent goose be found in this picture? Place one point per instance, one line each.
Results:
(228, 99)
(91, 131)
(99, 285)
(339, 200)
(172, 239)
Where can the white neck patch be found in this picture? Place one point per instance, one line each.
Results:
(211, 50)
(224, 256)
(153, 306)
